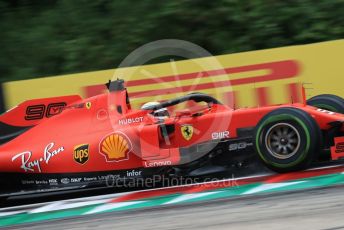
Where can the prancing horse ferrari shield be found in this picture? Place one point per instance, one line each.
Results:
(187, 131)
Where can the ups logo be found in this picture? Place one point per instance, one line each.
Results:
(81, 153)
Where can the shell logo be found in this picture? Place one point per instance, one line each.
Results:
(115, 147)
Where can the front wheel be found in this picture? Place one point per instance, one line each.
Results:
(287, 139)
(328, 101)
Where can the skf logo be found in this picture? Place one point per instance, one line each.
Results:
(81, 153)
(115, 147)
(187, 131)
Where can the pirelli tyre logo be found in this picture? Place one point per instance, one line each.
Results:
(81, 153)
(115, 147)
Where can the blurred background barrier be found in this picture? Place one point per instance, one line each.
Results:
(256, 78)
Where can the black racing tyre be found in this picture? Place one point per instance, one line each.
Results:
(287, 139)
(327, 101)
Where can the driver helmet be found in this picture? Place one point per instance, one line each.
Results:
(161, 113)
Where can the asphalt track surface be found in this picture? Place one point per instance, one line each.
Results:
(312, 209)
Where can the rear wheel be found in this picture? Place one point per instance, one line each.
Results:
(327, 101)
(287, 139)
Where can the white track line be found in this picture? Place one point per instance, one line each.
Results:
(111, 206)
(189, 197)
(266, 187)
(27, 208)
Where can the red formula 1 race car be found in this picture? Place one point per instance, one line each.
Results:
(67, 142)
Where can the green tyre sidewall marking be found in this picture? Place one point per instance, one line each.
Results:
(279, 118)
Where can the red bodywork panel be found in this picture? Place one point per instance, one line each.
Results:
(103, 133)
(32, 112)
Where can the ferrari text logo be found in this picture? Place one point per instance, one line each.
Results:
(81, 153)
(340, 147)
(115, 147)
(187, 131)
(337, 151)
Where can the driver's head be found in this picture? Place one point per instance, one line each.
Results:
(160, 113)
